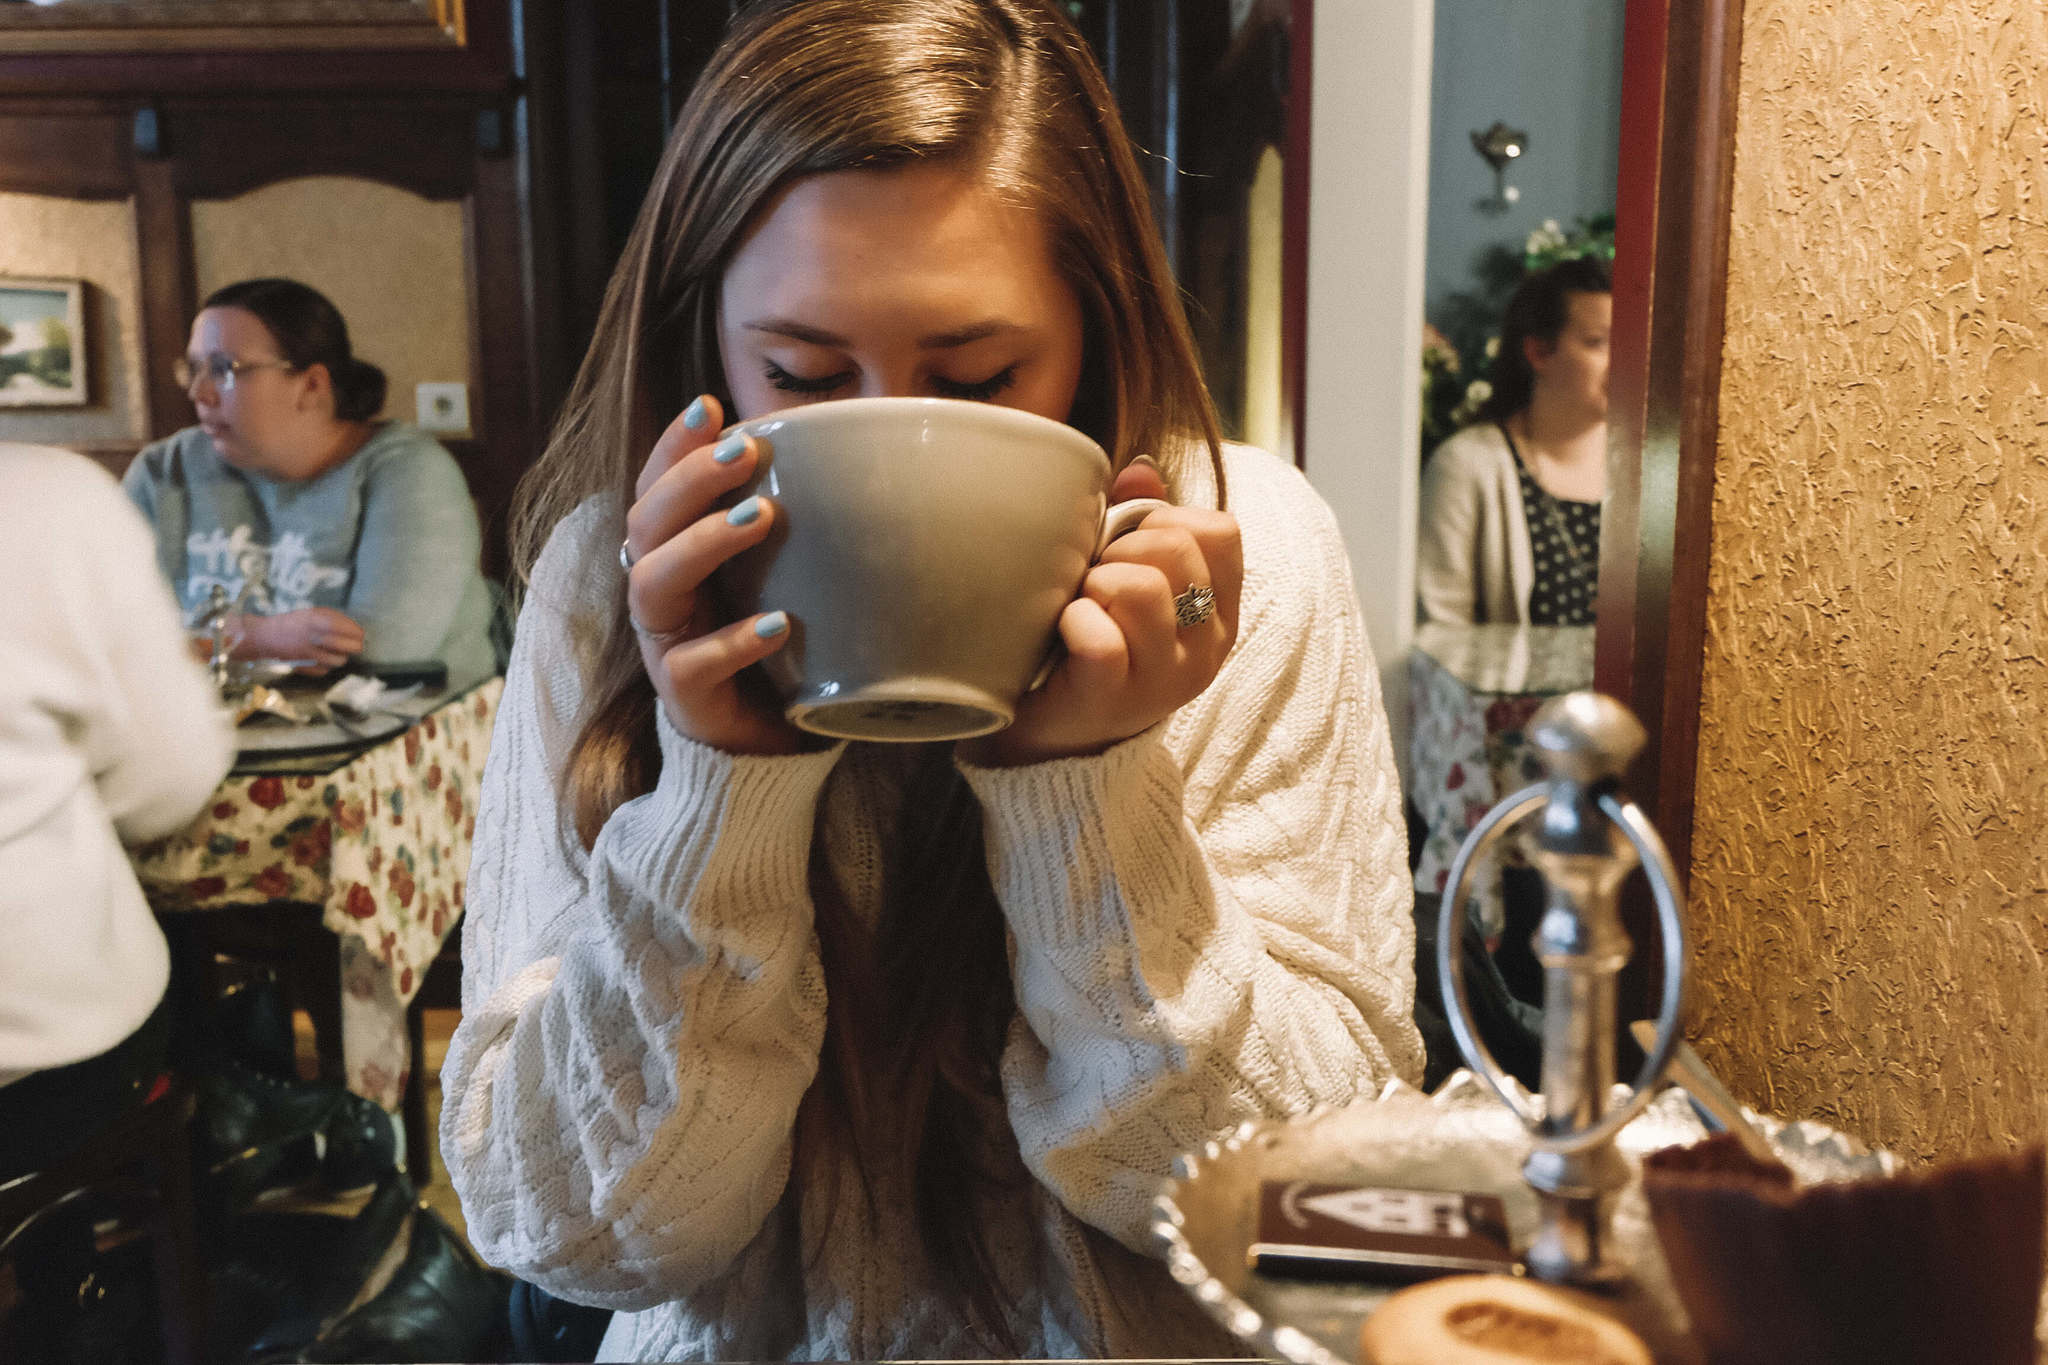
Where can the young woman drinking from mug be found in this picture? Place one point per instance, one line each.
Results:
(797, 1051)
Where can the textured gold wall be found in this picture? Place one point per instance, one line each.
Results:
(1872, 821)
(46, 238)
(392, 262)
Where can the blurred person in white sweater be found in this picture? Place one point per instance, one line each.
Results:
(110, 734)
(859, 1051)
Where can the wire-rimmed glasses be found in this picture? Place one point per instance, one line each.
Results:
(220, 370)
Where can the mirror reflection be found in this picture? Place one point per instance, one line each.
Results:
(1525, 119)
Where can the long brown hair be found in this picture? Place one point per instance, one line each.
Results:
(1005, 89)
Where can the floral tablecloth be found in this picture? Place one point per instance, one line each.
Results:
(1472, 690)
(381, 844)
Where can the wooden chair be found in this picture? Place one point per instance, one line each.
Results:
(140, 1167)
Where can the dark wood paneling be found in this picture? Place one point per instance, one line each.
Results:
(603, 84)
(1294, 230)
(483, 64)
(1243, 93)
(510, 422)
(591, 236)
(163, 244)
(1670, 279)
(77, 152)
(223, 149)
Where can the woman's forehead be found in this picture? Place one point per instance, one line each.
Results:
(928, 233)
(230, 328)
(1587, 308)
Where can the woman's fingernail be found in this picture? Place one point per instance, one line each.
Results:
(744, 514)
(772, 625)
(730, 449)
(696, 415)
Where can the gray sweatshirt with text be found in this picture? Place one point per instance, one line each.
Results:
(389, 537)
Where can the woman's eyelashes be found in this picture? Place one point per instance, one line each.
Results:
(981, 392)
(790, 383)
(974, 391)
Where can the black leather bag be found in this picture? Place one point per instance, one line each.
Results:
(441, 1304)
(285, 1282)
(258, 1133)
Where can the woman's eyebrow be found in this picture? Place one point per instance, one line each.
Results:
(961, 336)
(937, 341)
(796, 331)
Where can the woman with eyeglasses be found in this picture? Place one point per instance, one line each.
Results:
(337, 535)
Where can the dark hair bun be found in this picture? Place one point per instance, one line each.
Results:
(358, 391)
(309, 330)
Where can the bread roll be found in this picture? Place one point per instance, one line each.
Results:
(1496, 1320)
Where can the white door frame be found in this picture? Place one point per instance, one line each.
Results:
(1368, 218)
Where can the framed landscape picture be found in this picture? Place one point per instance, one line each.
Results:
(42, 343)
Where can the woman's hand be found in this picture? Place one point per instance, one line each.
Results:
(317, 638)
(676, 536)
(1128, 663)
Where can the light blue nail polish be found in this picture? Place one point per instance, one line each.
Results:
(730, 449)
(696, 415)
(744, 514)
(771, 625)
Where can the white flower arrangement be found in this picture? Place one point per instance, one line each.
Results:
(1476, 394)
(1545, 239)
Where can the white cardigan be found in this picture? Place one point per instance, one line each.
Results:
(1209, 923)
(1474, 562)
(109, 730)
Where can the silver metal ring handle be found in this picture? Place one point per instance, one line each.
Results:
(1449, 926)
(1656, 862)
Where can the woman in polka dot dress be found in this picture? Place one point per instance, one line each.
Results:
(1511, 504)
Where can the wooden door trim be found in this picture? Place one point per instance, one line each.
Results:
(1294, 183)
(1679, 86)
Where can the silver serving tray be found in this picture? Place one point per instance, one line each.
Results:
(1460, 1138)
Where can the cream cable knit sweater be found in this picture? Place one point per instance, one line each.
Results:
(1210, 923)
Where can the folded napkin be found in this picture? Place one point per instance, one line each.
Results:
(365, 695)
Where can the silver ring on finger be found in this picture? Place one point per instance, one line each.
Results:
(661, 639)
(1194, 606)
(626, 556)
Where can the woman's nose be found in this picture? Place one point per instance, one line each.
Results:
(874, 384)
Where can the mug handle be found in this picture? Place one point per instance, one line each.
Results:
(1121, 519)
(1124, 517)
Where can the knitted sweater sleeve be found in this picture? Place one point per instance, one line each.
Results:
(639, 1021)
(1212, 920)
(1450, 522)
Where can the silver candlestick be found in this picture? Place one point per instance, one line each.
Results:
(1587, 841)
(214, 621)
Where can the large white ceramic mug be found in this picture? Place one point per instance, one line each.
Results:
(924, 549)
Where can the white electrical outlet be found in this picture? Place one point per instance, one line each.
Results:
(442, 407)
